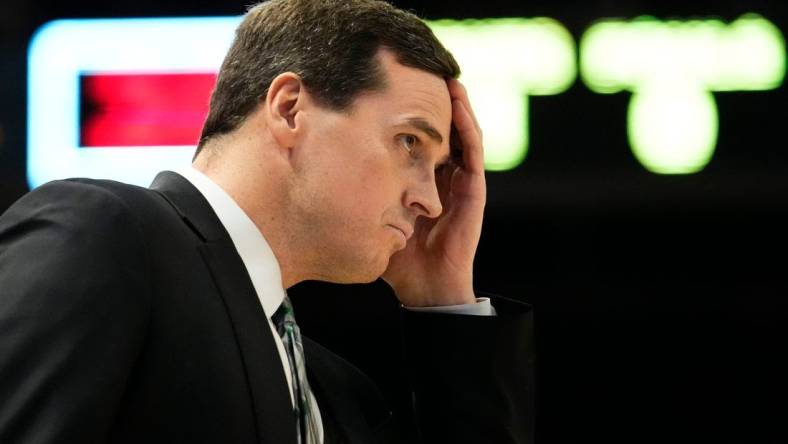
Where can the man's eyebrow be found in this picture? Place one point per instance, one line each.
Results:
(425, 126)
(430, 130)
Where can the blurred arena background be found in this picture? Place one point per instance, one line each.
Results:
(659, 280)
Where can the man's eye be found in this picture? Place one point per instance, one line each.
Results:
(408, 141)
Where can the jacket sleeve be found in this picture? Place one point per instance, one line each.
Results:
(74, 304)
(472, 376)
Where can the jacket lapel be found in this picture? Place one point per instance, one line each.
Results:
(269, 391)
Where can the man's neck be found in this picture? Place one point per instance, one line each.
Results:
(250, 187)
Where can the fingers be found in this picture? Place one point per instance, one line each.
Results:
(468, 130)
(457, 91)
(470, 137)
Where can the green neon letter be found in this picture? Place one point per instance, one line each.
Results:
(503, 61)
(671, 67)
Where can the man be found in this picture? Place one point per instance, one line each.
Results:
(160, 315)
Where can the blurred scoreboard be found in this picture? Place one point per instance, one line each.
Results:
(125, 98)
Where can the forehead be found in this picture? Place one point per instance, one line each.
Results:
(411, 93)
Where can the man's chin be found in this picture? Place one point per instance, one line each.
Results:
(355, 279)
(362, 274)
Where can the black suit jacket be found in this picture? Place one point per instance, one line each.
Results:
(126, 315)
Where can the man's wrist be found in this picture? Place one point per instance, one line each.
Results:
(479, 307)
(434, 295)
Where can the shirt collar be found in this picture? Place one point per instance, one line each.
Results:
(256, 254)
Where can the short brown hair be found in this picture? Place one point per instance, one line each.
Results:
(330, 44)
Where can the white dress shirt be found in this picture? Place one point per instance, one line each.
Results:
(263, 267)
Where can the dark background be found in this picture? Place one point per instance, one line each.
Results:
(660, 300)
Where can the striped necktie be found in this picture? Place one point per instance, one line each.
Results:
(307, 427)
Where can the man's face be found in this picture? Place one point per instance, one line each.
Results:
(364, 176)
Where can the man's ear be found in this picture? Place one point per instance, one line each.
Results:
(285, 99)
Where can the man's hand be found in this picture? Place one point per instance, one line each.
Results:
(436, 266)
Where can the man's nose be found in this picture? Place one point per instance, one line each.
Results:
(422, 196)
